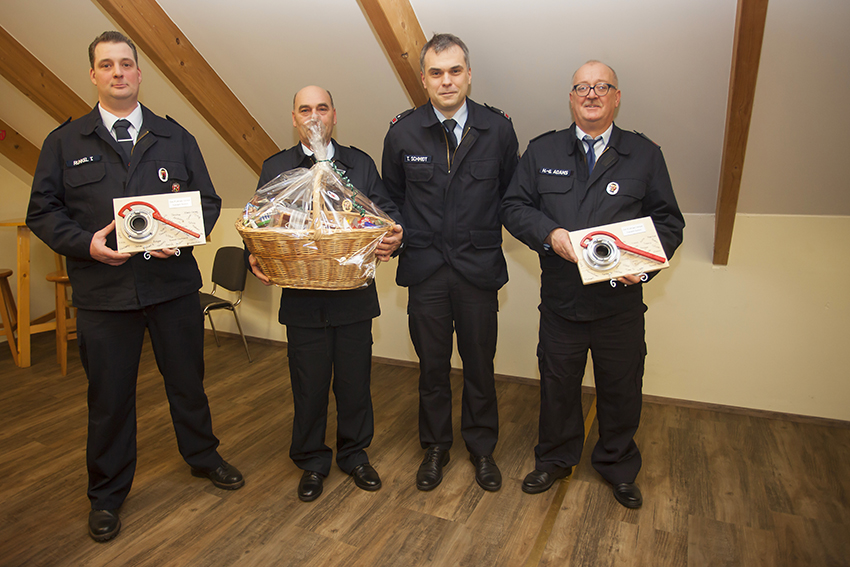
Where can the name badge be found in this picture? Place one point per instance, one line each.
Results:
(417, 159)
(561, 172)
(82, 160)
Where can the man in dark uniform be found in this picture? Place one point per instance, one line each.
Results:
(81, 169)
(329, 333)
(446, 165)
(565, 183)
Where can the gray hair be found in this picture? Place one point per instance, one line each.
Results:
(613, 72)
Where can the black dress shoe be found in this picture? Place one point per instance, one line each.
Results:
(628, 494)
(226, 476)
(538, 481)
(430, 473)
(487, 474)
(310, 486)
(104, 524)
(366, 477)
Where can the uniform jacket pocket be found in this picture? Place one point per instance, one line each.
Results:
(84, 175)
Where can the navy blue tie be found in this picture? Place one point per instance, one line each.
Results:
(122, 135)
(591, 156)
(450, 125)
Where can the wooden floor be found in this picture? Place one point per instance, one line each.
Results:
(719, 489)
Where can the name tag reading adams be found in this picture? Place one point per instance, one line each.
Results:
(560, 172)
(417, 159)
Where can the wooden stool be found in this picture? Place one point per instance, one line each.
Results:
(66, 320)
(8, 312)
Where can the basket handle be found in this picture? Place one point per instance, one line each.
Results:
(317, 201)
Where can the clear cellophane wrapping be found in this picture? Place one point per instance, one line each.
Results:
(311, 228)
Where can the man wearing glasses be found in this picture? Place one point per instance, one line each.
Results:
(588, 175)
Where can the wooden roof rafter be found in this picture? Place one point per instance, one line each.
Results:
(172, 52)
(402, 37)
(749, 33)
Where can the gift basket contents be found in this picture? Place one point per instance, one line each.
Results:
(311, 228)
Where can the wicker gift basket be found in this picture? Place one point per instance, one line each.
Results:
(312, 229)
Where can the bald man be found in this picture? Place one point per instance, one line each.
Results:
(588, 175)
(329, 333)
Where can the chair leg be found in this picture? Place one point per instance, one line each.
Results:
(61, 329)
(9, 316)
(244, 341)
(209, 314)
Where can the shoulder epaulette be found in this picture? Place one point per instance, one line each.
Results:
(170, 119)
(541, 135)
(359, 150)
(645, 137)
(497, 111)
(63, 124)
(395, 120)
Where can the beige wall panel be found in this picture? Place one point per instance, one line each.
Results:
(768, 331)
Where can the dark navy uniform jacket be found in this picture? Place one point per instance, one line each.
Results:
(552, 189)
(323, 308)
(450, 205)
(80, 171)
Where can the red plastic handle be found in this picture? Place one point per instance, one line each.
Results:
(157, 216)
(622, 246)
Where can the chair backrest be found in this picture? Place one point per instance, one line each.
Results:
(229, 269)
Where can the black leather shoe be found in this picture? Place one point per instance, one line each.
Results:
(310, 487)
(366, 477)
(104, 524)
(430, 473)
(628, 494)
(226, 476)
(487, 474)
(538, 481)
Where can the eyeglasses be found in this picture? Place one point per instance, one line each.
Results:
(600, 88)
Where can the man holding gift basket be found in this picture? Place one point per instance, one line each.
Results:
(446, 165)
(329, 332)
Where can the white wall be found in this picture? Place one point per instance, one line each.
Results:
(768, 331)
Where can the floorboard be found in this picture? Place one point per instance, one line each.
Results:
(719, 488)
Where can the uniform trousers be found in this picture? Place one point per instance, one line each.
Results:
(110, 349)
(316, 356)
(618, 349)
(439, 306)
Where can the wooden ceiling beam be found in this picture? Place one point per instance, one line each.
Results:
(401, 35)
(18, 149)
(749, 33)
(37, 82)
(171, 51)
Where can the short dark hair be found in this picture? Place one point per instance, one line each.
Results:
(112, 37)
(439, 43)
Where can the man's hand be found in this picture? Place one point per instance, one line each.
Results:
(101, 252)
(164, 253)
(257, 270)
(559, 240)
(629, 279)
(389, 243)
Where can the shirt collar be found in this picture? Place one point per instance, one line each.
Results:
(606, 136)
(308, 152)
(135, 119)
(460, 116)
